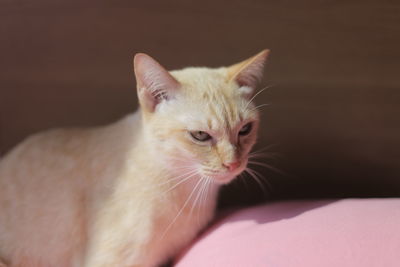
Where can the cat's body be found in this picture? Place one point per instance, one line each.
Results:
(95, 176)
(134, 192)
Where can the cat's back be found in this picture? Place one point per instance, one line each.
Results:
(66, 149)
(62, 158)
(45, 182)
(58, 150)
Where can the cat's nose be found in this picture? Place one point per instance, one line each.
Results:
(231, 166)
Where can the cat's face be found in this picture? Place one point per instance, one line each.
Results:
(205, 123)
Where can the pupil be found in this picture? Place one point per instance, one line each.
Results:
(246, 129)
(201, 136)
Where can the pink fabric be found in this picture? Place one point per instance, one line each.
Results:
(337, 233)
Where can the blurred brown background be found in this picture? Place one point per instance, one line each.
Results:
(334, 71)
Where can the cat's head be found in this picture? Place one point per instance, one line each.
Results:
(201, 121)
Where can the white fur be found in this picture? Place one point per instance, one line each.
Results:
(132, 193)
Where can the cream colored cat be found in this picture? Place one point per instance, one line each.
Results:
(135, 192)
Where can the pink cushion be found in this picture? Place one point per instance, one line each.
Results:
(350, 232)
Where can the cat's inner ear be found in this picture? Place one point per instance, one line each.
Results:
(154, 82)
(248, 73)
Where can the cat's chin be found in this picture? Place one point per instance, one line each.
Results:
(224, 178)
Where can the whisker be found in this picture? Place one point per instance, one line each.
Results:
(255, 95)
(259, 106)
(260, 155)
(263, 155)
(265, 148)
(202, 179)
(191, 171)
(203, 201)
(242, 178)
(181, 210)
(257, 179)
(182, 181)
(262, 178)
(270, 167)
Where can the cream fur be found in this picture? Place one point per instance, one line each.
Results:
(117, 195)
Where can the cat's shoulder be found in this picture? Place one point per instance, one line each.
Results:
(48, 140)
(70, 140)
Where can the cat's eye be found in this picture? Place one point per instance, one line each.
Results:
(246, 129)
(200, 136)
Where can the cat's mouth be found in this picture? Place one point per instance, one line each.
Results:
(226, 176)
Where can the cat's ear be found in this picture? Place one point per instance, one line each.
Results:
(248, 73)
(154, 82)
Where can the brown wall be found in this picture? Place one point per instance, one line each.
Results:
(334, 71)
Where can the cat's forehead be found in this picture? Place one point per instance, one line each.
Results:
(206, 84)
(210, 101)
(201, 79)
(209, 116)
(214, 111)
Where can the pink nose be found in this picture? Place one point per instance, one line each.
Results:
(232, 165)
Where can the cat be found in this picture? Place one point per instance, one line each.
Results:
(135, 192)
